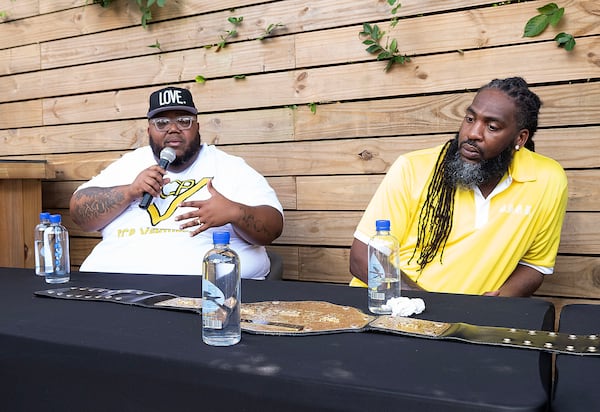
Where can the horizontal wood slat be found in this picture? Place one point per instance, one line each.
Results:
(25, 169)
(354, 192)
(296, 15)
(572, 105)
(429, 74)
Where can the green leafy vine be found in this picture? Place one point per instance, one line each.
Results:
(144, 5)
(229, 34)
(269, 30)
(373, 36)
(550, 15)
(388, 52)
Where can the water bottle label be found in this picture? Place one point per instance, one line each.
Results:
(213, 310)
(375, 295)
(376, 272)
(58, 253)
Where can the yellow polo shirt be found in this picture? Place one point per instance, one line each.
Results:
(520, 221)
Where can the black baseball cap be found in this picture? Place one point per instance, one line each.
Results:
(171, 98)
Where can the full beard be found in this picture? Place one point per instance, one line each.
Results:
(188, 154)
(459, 173)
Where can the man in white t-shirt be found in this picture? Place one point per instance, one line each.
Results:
(203, 189)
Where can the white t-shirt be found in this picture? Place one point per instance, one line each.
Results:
(150, 241)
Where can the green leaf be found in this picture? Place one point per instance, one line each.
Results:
(394, 46)
(565, 40)
(536, 25)
(377, 34)
(570, 45)
(555, 17)
(366, 29)
(375, 48)
(313, 107)
(239, 76)
(401, 59)
(548, 9)
(368, 42)
(200, 79)
(562, 37)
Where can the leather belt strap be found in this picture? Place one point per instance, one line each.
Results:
(314, 317)
(488, 335)
(125, 296)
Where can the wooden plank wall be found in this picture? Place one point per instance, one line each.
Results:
(75, 80)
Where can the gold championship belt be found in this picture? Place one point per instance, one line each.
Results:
(299, 318)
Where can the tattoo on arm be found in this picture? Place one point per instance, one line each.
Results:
(251, 223)
(96, 202)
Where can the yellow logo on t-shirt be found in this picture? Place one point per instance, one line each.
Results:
(180, 190)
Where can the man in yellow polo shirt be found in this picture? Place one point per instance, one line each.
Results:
(481, 214)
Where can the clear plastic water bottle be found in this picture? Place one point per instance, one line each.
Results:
(221, 294)
(56, 252)
(384, 270)
(38, 243)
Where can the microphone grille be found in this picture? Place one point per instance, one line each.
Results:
(168, 154)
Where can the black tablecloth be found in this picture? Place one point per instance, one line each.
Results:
(576, 382)
(76, 355)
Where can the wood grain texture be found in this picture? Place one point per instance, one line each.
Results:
(12, 234)
(76, 79)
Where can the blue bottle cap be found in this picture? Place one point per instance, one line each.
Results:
(220, 238)
(44, 216)
(382, 225)
(54, 218)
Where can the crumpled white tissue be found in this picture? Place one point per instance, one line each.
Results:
(403, 306)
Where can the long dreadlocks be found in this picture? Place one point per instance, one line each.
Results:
(436, 215)
(435, 218)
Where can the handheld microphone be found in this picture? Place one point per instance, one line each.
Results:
(167, 155)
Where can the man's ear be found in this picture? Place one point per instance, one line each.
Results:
(522, 138)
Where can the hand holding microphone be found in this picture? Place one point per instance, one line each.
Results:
(167, 155)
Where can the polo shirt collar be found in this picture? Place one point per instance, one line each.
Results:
(522, 167)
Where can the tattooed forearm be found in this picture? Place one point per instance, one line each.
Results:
(260, 224)
(97, 203)
(255, 225)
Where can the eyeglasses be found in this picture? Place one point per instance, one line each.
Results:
(162, 124)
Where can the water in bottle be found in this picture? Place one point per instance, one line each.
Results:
(383, 267)
(38, 243)
(221, 294)
(56, 252)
